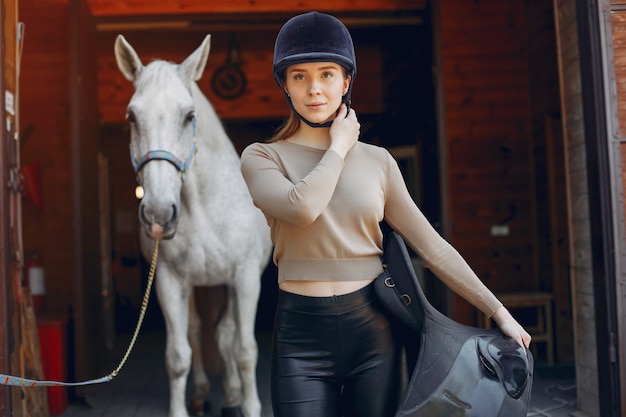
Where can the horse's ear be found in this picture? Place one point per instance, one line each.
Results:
(127, 59)
(193, 66)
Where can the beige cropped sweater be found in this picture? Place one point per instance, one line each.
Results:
(324, 213)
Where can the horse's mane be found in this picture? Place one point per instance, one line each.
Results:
(157, 71)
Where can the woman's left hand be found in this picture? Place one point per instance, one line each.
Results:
(344, 131)
(511, 327)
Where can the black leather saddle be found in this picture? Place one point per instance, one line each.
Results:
(459, 371)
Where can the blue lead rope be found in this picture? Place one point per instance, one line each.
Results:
(17, 381)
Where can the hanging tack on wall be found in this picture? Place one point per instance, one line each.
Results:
(229, 81)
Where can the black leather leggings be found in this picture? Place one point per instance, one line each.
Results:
(334, 357)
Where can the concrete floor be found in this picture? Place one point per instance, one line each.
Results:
(141, 389)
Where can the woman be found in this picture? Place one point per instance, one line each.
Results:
(324, 194)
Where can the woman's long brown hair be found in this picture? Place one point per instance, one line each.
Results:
(287, 129)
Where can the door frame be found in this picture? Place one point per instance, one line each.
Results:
(604, 187)
(5, 274)
(11, 250)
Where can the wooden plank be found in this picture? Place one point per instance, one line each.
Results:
(83, 144)
(509, 111)
(477, 130)
(559, 236)
(623, 158)
(34, 401)
(11, 281)
(458, 79)
(509, 64)
(106, 251)
(101, 8)
(618, 20)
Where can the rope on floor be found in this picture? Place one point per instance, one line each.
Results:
(18, 381)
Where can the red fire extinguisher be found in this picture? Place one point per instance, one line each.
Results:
(34, 275)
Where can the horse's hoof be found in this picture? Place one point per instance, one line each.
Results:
(232, 412)
(199, 408)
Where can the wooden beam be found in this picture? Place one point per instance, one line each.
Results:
(102, 8)
(6, 305)
(240, 23)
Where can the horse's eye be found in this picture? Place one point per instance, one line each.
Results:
(190, 117)
(131, 117)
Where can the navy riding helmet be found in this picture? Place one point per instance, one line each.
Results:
(313, 37)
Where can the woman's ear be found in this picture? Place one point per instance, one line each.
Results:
(346, 84)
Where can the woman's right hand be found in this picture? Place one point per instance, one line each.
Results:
(344, 131)
(511, 327)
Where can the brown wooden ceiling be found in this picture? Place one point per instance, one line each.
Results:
(116, 8)
(245, 15)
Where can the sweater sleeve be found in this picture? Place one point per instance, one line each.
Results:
(298, 203)
(438, 255)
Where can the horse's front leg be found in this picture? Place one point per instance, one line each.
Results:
(247, 289)
(200, 403)
(174, 300)
(227, 345)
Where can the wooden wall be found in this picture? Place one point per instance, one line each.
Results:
(58, 136)
(488, 158)
(504, 151)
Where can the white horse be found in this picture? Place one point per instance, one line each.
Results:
(193, 189)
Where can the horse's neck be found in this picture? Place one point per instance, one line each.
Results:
(217, 159)
(210, 129)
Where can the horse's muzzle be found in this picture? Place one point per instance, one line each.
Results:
(156, 232)
(158, 223)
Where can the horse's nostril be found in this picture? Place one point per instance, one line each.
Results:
(174, 213)
(142, 214)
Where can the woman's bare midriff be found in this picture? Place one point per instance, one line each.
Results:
(323, 288)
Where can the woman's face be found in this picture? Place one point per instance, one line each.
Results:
(316, 89)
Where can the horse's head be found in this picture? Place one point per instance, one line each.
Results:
(162, 120)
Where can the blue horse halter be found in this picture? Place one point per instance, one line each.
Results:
(163, 155)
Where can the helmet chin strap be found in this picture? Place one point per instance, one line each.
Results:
(345, 100)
